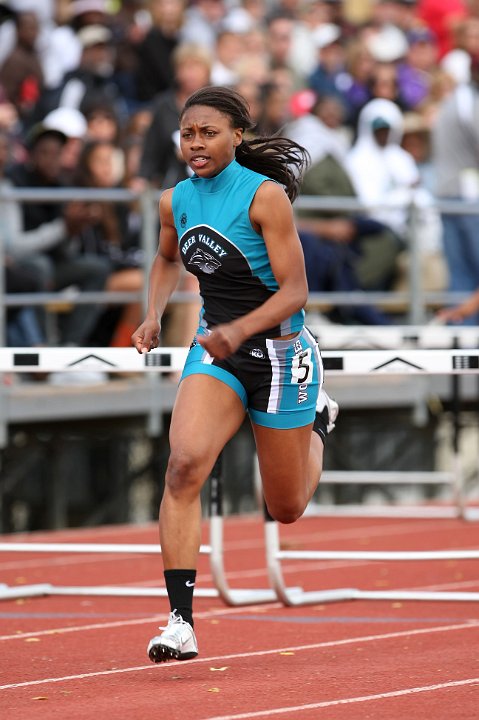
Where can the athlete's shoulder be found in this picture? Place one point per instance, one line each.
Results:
(252, 174)
(166, 197)
(271, 190)
(180, 193)
(166, 204)
(271, 203)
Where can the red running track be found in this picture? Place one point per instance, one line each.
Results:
(85, 658)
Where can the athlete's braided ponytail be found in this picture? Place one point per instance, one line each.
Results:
(279, 158)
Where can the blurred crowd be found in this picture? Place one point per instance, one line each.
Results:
(382, 93)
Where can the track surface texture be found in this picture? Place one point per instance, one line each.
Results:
(84, 657)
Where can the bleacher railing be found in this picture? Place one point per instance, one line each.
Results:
(415, 300)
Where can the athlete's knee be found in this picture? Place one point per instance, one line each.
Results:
(286, 512)
(183, 474)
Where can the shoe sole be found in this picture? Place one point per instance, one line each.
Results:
(163, 653)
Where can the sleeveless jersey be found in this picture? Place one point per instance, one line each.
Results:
(219, 245)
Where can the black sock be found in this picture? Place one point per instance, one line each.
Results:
(180, 585)
(320, 425)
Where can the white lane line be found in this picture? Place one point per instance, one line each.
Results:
(258, 653)
(142, 621)
(347, 701)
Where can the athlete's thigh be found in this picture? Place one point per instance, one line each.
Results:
(283, 457)
(206, 414)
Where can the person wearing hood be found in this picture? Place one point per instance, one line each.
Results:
(382, 172)
(343, 251)
(387, 180)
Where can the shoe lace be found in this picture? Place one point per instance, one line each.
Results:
(174, 619)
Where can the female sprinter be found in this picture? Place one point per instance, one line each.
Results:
(231, 224)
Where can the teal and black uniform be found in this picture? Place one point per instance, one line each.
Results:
(277, 380)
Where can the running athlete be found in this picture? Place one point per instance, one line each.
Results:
(231, 224)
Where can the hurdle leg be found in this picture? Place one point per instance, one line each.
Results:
(236, 596)
(458, 471)
(292, 596)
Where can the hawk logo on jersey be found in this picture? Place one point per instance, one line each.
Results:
(206, 262)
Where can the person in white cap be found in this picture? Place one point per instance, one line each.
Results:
(72, 123)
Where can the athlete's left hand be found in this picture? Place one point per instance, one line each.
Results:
(223, 340)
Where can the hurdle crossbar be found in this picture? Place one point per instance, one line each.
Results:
(351, 362)
(292, 596)
(231, 596)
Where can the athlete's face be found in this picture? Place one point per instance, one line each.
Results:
(207, 140)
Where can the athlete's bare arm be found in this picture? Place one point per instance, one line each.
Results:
(164, 275)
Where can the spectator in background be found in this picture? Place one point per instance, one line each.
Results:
(62, 52)
(468, 36)
(133, 137)
(229, 50)
(203, 21)
(21, 74)
(385, 85)
(462, 313)
(328, 78)
(387, 179)
(48, 243)
(443, 18)
(23, 327)
(102, 122)
(303, 51)
(416, 140)
(110, 234)
(279, 45)
(10, 124)
(130, 25)
(455, 155)
(388, 47)
(402, 14)
(73, 125)
(453, 70)
(7, 30)
(93, 79)
(343, 251)
(161, 163)
(356, 87)
(251, 91)
(415, 71)
(275, 109)
(382, 172)
(245, 16)
(154, 72)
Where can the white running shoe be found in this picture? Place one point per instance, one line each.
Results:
(329, 407)
(177, 641)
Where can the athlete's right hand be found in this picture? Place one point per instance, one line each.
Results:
(147, 336)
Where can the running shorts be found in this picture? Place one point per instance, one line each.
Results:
(277, 380)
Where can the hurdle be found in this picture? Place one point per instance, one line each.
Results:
(453, 362)
(352, 362)
(400, 337)
(121, 360)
